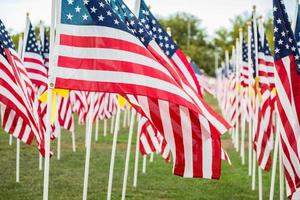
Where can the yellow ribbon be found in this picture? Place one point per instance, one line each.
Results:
(43, 98)
(122, 102)
(274, 92)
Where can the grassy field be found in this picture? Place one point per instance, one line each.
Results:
(66, 175)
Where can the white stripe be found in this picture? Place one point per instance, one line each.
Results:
(206, 149)
(146, 146)
(187, 138)
(97, 31)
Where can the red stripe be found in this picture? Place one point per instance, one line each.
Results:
(102, 42)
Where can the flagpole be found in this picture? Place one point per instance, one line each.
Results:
(243, 119)
(133, 112)
(250, 104)
(281, 173)
(237, 95)
(18, 140)
(151, 157)
(104, 127)
(113, 154)
(10, 140)
(144, 164)
(73, 137)
(112, 123)
(96, 129)
(275, 159)
(137, 147)
(49, 104)
(125, 117)
(88, 146)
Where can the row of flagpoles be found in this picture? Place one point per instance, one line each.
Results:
(247, 91)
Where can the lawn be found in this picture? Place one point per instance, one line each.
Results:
(66, 175)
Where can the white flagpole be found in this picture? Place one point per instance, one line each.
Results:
(137, 147)
(40, 162)
(274, 164)
(18, 140)
(133, 112)
(73, 136)
(144, 164)
(151, 157)
(250, 103)
(281, 173)
(88, 146)
(128, 118)
(125, 117)
(10, 140)
(104, 127)
(73, 141)
(113, 154)
(49, 104)
(42, 29)
(237, 95)
(112, 123)
(96, 130)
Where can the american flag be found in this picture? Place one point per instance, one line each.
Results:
(65, 113)
(263, 140)
(33, 58)
(192, 165)
(96, 51)
(19, 116)
(287, 82)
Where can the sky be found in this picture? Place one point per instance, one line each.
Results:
(213, 13)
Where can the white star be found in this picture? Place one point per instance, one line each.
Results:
(141, 30)
(70, 2)
(278, 21)
(131, 15)
(85, 17)
(77, 9)
(132, 23)
(275, 30)
(108, 13)
(280, 42)
(166, 38)
(93, 9)
(277, 50)
(116, 22)
(69, 16)
(275, 8)
(143, 20)
(172, 46)
(290, 40)
(283, 33)
(85, 2)
(287, 46)
(100, 18)
(101, 4)
(296, 57)
(142, 39)
(123, 6)
(293, 49)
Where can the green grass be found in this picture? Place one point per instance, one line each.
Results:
(66, 175)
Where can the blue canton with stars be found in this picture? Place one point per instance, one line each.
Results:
(5, 39)
(245, 51)
(90, 12)
(161, 37)
(284, 40)
(253, 53)
(131, 21)
(46, 44)
(31, 42)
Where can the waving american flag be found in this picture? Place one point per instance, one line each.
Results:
(287, 82)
